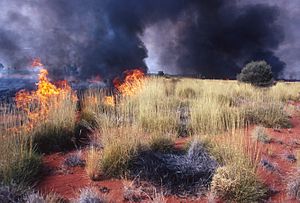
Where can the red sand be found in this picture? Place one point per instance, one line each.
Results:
(276, 154)
(67, 181)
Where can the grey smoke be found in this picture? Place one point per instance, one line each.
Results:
(105, 37)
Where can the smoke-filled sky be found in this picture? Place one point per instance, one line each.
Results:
(214, 38)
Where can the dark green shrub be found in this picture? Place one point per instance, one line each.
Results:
(257, 73)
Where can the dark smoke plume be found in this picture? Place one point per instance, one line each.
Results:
(103, 37)
(216, 38)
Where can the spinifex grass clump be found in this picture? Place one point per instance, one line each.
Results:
(93, 163)
(120, 146)
(267, 113)
(57, 131)
(19, 163)
(236, 179)
(235, 183)
(186, 173)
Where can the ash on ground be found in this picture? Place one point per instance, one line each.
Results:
(187, 173)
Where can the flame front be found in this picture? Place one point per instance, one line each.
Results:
(133, 82)
(37, 103)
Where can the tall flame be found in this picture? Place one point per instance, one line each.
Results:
(36, 104)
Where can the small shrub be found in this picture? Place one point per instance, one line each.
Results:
(93, 161)
(259, 133)
(293, 185)
(237, 184)
(90, 195)
(257, 73)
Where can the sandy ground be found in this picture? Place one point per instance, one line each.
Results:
(67, 181)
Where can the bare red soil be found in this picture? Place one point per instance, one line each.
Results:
(285, 142)
(67, 181)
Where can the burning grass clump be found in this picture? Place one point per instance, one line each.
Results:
(185, 173)
(293, 185)
(56, 132)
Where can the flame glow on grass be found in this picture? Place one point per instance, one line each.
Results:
(36, 104)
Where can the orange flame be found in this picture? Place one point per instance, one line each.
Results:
(133, 82)
(109, 100)
(37, 103)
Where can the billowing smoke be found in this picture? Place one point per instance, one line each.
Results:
(216, 38)
(105, 37)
